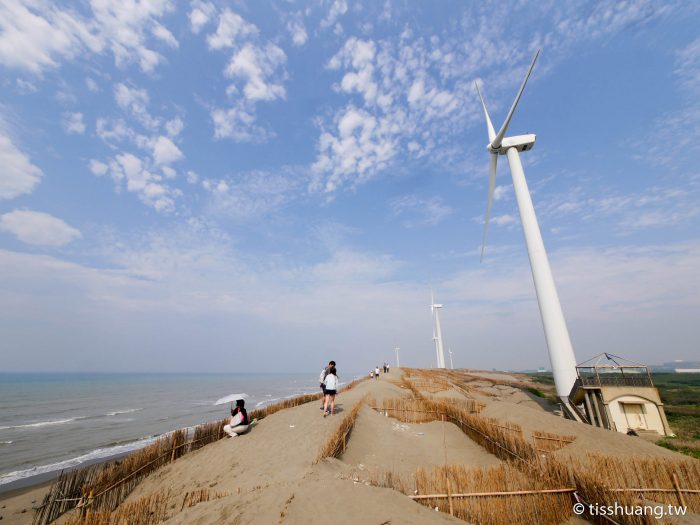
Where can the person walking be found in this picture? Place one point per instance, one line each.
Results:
(322, 378)
(376, 372)
(331, 382)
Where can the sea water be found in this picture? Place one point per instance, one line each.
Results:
(51, 422)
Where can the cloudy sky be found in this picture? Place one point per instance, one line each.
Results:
(262, 186)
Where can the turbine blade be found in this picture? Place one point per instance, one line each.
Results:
(496, 142)
(489, 125)
(489, 202)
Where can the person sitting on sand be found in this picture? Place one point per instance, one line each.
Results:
(331, 383)
(239, 420)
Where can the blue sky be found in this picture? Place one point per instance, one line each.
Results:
(231, 186)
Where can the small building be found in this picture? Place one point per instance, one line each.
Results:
(614, 393)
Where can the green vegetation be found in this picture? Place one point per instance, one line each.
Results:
(536, 392)
(546, 378)
(680, 394)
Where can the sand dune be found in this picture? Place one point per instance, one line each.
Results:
(272, 474)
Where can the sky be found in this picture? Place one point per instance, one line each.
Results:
(263, 186)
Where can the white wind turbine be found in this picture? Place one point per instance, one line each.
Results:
(437, 331)
(451, 363)
(396, 349)
(561, 353)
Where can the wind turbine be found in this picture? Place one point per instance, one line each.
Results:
(561, 353)
(452, 366)
(397, 356)
(437, 331)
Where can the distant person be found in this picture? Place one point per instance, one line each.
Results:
(239, 423)
(331, 382)
(371, 374)
(376, 372)
(322, 378)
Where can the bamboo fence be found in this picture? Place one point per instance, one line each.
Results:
(101, 488)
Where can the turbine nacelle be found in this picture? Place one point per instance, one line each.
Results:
(519, 142)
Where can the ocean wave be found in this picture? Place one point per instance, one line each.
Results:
(266, 402)
(9, 442)
(45, 423)
(97, 454)
(126, 411)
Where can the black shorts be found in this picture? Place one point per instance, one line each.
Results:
(323, 387)
(330, 392)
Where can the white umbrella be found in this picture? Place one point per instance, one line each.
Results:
(231, 398)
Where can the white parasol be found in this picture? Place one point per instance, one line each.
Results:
(231, 398)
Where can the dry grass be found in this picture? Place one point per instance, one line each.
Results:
(597, 476)
(540, 508)
(102, 487)
(547, 442)
(336, 444)
(148, 510)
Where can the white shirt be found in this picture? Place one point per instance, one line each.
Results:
(331, 382)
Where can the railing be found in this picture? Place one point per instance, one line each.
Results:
(616, 380)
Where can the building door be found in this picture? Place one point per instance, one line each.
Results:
(634, 412)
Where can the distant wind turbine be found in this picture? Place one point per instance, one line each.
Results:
(397, 357)
(561, 353)
(437, 331)
(452, 366)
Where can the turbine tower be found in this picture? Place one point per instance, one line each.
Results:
(452, 366)
(437, 331)
(561, 353)
(397, 356)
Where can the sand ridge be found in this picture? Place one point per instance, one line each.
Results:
(271, 475)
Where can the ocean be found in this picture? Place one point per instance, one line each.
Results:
(50, 422)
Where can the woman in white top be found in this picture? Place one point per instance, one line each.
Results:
(331, 382)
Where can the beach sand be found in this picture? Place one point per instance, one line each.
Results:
(271, 475)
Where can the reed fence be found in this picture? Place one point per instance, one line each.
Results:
(102, 488)
(337, 443)
(533, 485)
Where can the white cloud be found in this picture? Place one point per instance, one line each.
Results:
(165, 151)
(174, 126)
(73, 123)
(232, 28)
(200, 14)
(362, 147)
(337, 9)
(420, 211)
(92, 85)
(17, 173)
(192, 177)
(237, 123)
(162, 33)
(297, 31)
(38, 35)
(30, 42)
(504, 220)
(254, 194)
(139, 179)
(38, 228)
(409, 103)
(123, 25)
(135, 101)
(25, 86)
(256, 66)
(98, 168)
(257, 70)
